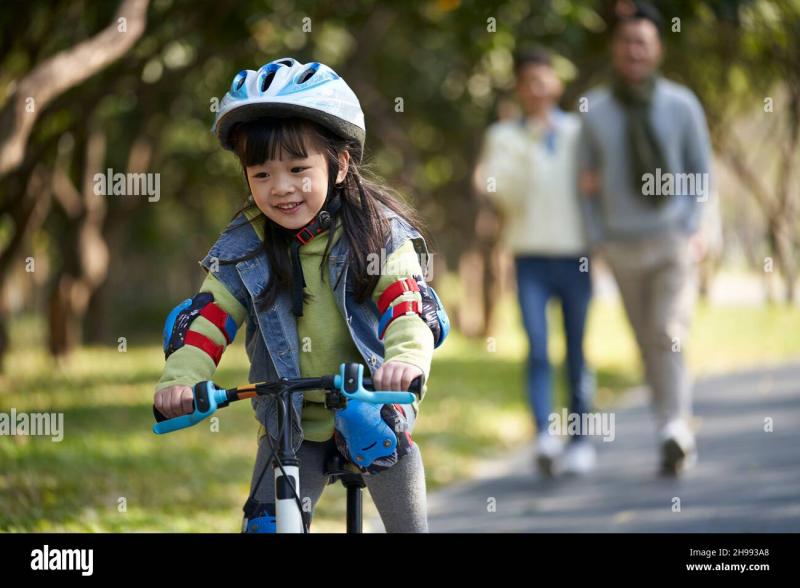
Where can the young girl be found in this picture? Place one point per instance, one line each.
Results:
(325, 268)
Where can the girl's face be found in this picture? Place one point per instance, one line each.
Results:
(291, 190)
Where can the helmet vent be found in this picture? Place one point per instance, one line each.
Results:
(304, 77)
(266, 81)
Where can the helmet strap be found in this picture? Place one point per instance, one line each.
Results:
(318, 225)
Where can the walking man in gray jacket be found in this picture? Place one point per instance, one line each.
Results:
(644, 163)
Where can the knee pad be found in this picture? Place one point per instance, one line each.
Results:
(372, 437)
(259, 517)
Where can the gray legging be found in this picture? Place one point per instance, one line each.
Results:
(398, 493)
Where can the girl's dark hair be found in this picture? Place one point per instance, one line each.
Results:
(365, 227)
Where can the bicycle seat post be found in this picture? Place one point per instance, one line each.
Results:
(354, 484)
(336, 468)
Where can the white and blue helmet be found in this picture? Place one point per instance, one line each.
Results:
(285, 88)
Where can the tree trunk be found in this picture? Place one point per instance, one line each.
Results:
(85, 250)
(782, 235)
(28, 211)
(61, 72)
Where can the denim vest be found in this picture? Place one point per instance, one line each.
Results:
(271, 339)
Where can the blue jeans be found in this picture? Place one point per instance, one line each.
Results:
(539, 279)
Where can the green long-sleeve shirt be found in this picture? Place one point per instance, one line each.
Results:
(324, 339)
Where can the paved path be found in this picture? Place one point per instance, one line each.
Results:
(746, 480)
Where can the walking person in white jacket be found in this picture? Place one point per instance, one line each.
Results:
(528, 169)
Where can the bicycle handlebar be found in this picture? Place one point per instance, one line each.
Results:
(350, 382)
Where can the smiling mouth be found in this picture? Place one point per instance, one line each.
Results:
(288, 205)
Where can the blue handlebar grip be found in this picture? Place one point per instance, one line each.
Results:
(181, 422)
(216, 397)
(387, 397)
(352, 376)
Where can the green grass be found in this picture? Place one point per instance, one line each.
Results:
(197, 480)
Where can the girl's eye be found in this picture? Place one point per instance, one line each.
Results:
(260, 175)
(297, 170)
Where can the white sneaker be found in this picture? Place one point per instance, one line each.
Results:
(678, 448)
(579, 458)
(548, 450)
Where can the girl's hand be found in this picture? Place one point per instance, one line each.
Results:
(395, 376)
(174, 401)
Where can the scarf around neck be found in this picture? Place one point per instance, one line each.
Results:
(645, 152)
